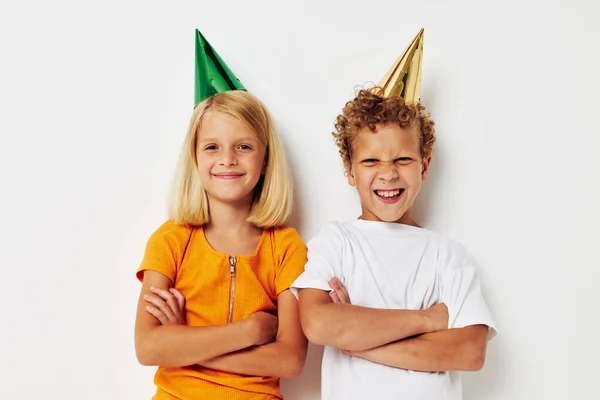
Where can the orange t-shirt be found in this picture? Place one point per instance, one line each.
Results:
(204, 277)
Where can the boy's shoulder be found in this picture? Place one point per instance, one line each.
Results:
(340, 232)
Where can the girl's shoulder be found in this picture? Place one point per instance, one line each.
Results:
(172, 234)
(285, 236)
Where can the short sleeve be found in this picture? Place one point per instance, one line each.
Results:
(164, 250)
(461, 290)
(324, 255)
(291, 252)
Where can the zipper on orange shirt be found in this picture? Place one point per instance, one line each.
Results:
(232, 262)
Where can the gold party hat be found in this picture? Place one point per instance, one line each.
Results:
(404, 78)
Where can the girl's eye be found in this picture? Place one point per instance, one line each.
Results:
(210, 147)
(245, 147)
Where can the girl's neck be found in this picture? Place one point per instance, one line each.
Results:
(229, 232)
(229, 218)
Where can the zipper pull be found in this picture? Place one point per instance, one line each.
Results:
(232, 265)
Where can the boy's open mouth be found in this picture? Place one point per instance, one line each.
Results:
(389, 193)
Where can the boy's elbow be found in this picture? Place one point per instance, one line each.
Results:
(315, 330)
(475, 359)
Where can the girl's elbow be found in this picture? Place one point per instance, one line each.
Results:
(146, 353)
(293, 367)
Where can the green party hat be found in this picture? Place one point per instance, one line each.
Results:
(212, 74)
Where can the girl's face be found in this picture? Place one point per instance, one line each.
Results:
(230, 157)
(387, 171)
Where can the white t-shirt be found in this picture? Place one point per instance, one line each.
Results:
(393, 266)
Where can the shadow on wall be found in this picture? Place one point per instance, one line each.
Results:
(481, 384)
(308, 385)
(422, 208)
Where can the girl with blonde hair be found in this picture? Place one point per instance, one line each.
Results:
(215, 311)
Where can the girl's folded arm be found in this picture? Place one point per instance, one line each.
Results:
(181, 345)
(283, 358)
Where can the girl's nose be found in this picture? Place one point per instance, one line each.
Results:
(228, 158)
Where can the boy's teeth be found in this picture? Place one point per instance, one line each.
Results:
(388, 193)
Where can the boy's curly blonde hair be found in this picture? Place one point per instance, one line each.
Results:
(370, 109)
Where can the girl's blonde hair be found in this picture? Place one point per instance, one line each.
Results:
(273, 195)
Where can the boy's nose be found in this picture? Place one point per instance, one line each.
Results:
(387, 173)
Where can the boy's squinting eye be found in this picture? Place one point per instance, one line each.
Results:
(403, 160)
(369, 162)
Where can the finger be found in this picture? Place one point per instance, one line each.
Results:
(342, 292)
(180, 299)
(343, 295)
(331, 283)
(159, 315)
(334, 297)
(338, 283)
(166, 295)
(160, 304)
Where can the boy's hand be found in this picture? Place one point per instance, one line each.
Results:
(263, 327)
(438, 317)
(355, 353)
(168, 306)
(339, 293)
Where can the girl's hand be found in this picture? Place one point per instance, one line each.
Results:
(263, 327)
(167, 306)
(339, 293)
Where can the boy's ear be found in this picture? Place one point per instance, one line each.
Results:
(425, 167)
(349, 174)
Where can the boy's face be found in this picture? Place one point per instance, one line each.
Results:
(387, 170)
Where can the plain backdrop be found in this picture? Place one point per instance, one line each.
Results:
(95, 98)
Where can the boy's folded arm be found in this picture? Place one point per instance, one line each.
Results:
(283, 358)
(181, 345)
(351, 327)
(459, 349)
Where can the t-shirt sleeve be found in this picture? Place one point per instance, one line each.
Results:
(292, 258)
(164, 250)
(324, 255)
(461, 290)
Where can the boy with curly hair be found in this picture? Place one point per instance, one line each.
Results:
(398, 308)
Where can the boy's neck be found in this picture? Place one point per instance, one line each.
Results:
(405, 219)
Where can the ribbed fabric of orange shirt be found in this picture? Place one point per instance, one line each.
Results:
(203, 275)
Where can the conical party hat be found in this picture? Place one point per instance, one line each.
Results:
(212, 74)
(404, 78)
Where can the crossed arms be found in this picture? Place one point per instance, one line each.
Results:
(409, 339)
(260, 345)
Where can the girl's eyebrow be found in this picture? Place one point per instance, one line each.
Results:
(215, 139)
